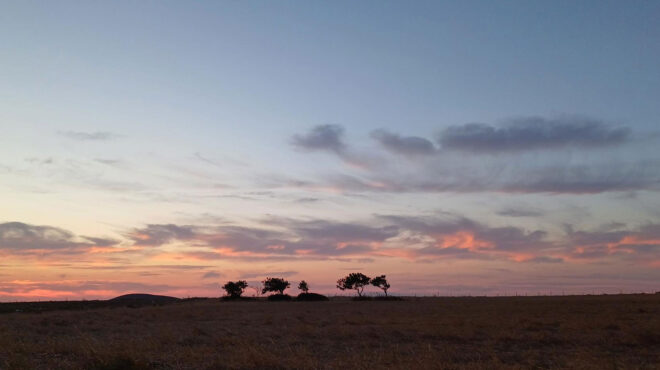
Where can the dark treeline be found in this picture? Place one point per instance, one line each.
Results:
(354, 281)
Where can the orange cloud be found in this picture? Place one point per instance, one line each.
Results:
(463, 240)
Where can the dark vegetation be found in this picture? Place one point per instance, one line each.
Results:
(381, 282)
(235, 289)
(583, 332)
(309, 297)
(278, 285)
(140, 298)
(354, 280)
(279, 297)
(303, 287)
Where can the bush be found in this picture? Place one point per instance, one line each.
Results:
(311, 297)
(279, 297)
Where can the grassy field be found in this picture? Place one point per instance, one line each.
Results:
(595, 332)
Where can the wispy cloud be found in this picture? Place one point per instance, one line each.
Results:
(90, 136)
(447, 169)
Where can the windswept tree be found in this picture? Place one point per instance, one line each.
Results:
(234, 289)
(275, 285)
(303, 287)
(354, 280)
(381, 282)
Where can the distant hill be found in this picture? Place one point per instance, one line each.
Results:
(144, 298)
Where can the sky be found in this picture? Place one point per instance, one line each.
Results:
(460, 148)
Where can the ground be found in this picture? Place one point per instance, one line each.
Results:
(590, 332)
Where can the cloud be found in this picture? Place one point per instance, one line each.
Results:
(407, 146)
(429, 170)
(75, 288)
(460, 235)
(390, 236)
(327, 230)
(21, 236)
(643, 241)
(531, 133)
(90, 136)
(282, 274)
(40, 161)
(322, 137)
(519, 212)
(109, 162)
(211, 275)
(156, 235)
(497, 175)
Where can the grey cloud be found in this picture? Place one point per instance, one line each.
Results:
(532, 133)
(21, 236)
(322, 137)
(283, 274)
(546, 259)
(519, 212)
(555, 172)
(211, 275)
(643, 241)
(156, 235)
(408, 145)
(90, 136)
(416, 237)
(40, 161)
(78, 287)
(109, 162)
(508, 178)
(326, 230)
(307, 200)
(507, 238)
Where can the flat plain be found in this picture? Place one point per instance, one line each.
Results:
(582, 332)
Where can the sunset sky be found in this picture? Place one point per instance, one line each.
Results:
(463, 147)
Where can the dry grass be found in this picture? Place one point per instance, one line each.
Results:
(596, 332)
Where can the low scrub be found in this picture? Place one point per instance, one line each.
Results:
(388, 298)
(237, 299)
(279, 297)
(362, 298)
(310, 297)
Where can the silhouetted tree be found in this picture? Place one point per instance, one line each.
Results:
(275, 285)
(354, 280)
(234, 289)
(303, 287)
(381, 282)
